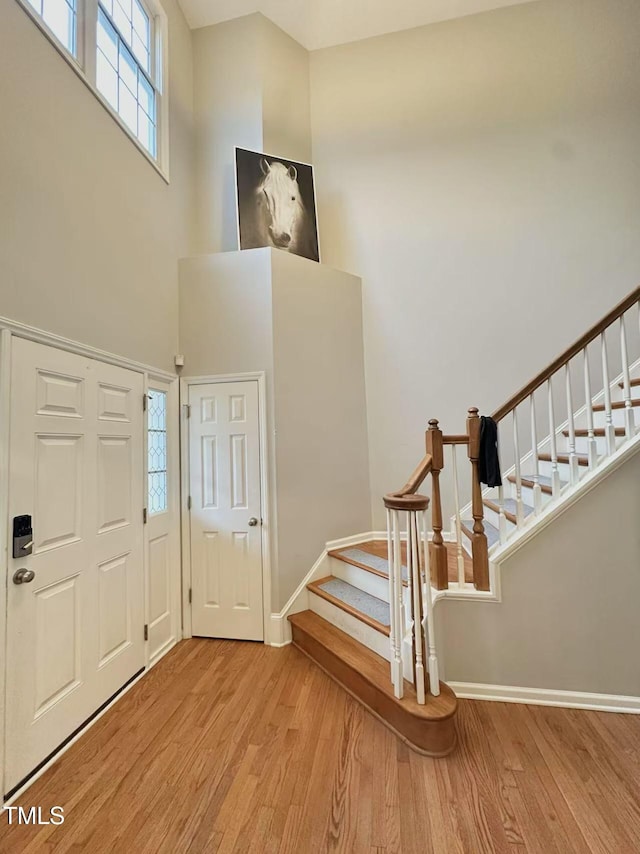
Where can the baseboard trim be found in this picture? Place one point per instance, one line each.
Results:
(353, 540)
(547, 697)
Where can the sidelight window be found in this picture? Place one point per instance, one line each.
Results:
(157, 451)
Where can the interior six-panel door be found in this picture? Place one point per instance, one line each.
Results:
(226, 540)
(75, 610)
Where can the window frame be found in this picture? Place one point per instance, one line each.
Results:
(84, 65)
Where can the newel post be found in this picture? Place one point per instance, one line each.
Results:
(479, 547)
(437, 548)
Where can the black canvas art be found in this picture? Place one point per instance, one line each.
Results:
(276, 204)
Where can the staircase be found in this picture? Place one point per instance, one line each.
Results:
(346, 631)
(369, 616)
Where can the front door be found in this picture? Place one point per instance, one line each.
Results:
(75, 621)
(226, 540)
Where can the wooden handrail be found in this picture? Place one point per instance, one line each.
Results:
(568, 354)
(462, 439)
(415, 481)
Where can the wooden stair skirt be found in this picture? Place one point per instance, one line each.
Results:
(428, 729)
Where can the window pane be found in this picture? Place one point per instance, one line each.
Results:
(146, 97)
(140, 22)
(60, 17)
(121, 20)
(107, 79)
(141, 53)
(157, 492)
(128, 70)
(127, 107)
(107, 39)
(146, 132)
(157, 450)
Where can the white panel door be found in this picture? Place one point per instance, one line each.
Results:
(226, 540)
(75, 630)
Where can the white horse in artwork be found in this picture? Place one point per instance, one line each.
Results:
(280, 214)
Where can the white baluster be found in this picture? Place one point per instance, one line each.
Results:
(555, 474)
(516, 445)
(456, 498)
(392, 593)
(397, 676)
(592, 447)
(537, 489)
(629, 426)
(573, 459)
(502, 518)
(413, 568)
(427, 610)
(609, 430)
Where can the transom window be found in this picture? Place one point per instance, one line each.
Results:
(157, 451)
(117, 46)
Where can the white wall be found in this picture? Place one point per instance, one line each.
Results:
(569, 613)
(482, 176)
(90, 233)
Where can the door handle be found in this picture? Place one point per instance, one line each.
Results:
(253, 522)
(23, 576)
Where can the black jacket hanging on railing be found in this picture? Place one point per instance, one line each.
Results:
(489, 462)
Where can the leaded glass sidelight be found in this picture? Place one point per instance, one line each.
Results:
(157, 451)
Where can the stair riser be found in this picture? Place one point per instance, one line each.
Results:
(494, 518)
(374, 640)
(618, 418)
(582, 444)
(360, 578)
(527, 495)
(546, 469)
(350, 625)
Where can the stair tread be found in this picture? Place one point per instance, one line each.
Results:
(599, 431)
(493, 534)
(360, 604)
(372, 667)
(583, 459)
(634, 382)
(510, 508)
(366, 560)
(618, 404)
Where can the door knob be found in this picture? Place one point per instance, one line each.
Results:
(253, 522)
(23, 576)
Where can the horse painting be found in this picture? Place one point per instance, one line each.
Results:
(272, 207)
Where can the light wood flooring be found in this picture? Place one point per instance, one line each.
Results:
(238, 747)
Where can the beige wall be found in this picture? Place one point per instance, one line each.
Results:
(251, 84)
(265, 310)
(482, 176)
(90, 233)
(569, 613)
(320, 416)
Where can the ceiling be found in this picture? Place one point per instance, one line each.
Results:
(323, 23)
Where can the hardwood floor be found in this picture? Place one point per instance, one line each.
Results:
(238, 747)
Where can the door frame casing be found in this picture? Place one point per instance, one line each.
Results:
(265, 528)
(10, 329)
